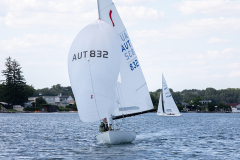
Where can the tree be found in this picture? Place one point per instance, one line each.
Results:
(14, 84)
(1, 92)
(221, 105)
(40, 100)
(211, 107)
(180, 107)
(196, 101)
(154, 100)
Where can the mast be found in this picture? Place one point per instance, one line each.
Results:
(98, 10)
(163, 108)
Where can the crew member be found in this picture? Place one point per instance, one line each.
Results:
(104, 125)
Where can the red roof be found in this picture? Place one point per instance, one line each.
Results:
(233, 104)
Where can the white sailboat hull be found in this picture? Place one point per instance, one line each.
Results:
(116, 137)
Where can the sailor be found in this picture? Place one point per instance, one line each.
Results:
(104, 125)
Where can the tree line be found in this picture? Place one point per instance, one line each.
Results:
(229, 95)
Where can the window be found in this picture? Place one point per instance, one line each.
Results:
(46, 99)
(51, 98)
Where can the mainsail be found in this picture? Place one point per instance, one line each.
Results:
(132, 95)
(169, 104)
(93, 65)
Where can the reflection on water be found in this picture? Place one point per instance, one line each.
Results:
(63, 135)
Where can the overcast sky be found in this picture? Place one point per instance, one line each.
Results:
(195, 44)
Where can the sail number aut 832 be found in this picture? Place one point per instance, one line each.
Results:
(91, 53)
(134, 64)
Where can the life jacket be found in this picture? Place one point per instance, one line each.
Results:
(103, 127)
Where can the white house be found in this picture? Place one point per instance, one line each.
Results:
(60, 99)
(235, 107)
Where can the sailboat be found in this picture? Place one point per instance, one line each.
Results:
(112, 86)
(170, 107)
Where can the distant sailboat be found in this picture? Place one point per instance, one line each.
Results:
(106, 76)
(170, 107)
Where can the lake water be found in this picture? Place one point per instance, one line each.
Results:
(64, 136)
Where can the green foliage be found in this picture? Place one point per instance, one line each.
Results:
(34, 104)
(0, 107)
(40, 100)
(11, 110)
(32, 109)
(63, 109)
(72, 106)
(221, 105)
(154, 99)
(229, 95)
(195, 101)
(227, 108)
(180, 107)
(14, 90)
(211, 107)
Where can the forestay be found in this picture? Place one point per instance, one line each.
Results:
(93, 66)
(132, 95)
(169, 104)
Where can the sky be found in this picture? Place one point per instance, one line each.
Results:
(195, 44)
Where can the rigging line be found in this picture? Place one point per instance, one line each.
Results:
(141, 86)
(106, 7)
(93, 89)
(122, 32)
(133, 59)
(139, 96)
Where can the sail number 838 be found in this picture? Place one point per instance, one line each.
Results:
(134, 64)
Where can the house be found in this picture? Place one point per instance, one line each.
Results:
(205, 102)
(6, 105)
(49, 98)
(235, 107)
(18, 108)
(185, 106)
(61, 100)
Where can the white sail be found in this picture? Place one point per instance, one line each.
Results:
(169, 104)
(160, 107)
(93, 65)
(132, 93)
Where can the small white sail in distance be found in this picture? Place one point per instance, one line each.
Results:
(160, 107)
(93, 65)
(170, 107)
(132, 92)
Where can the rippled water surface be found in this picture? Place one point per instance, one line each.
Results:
(64, 136)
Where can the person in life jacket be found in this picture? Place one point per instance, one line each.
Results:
(103, 127)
